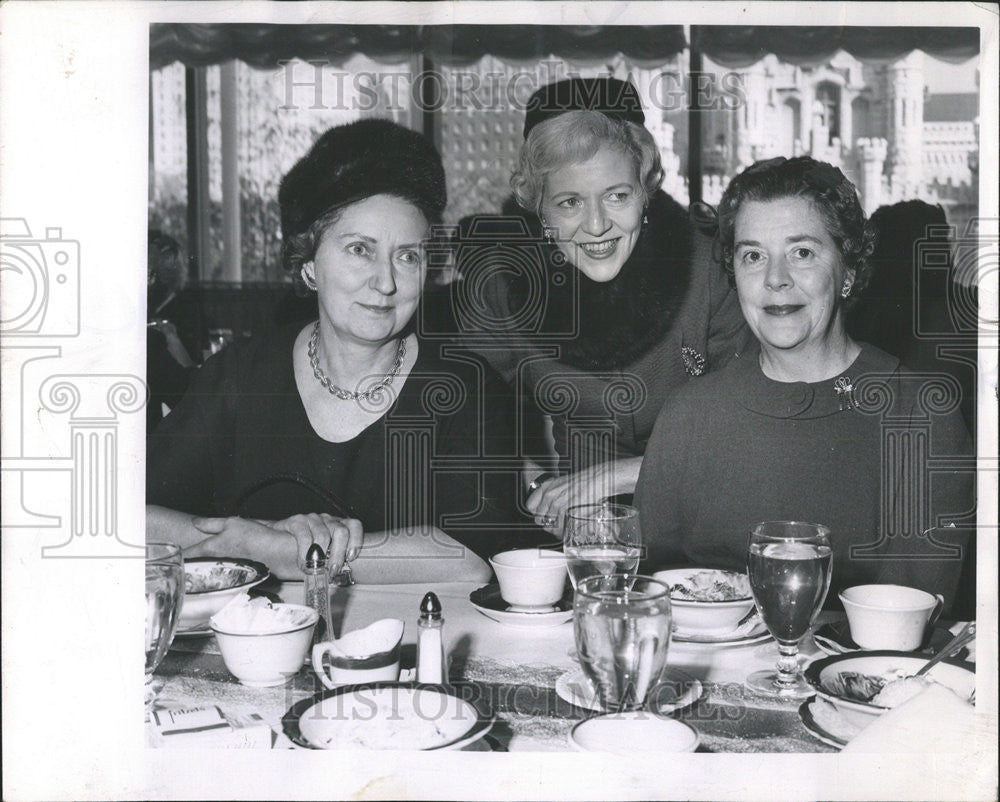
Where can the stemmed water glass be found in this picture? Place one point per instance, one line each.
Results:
(164, 597)
(789, 564)
(600, 540)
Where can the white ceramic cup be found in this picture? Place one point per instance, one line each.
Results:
(890, 616)
(530, 577)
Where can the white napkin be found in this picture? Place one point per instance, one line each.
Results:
(935, 721)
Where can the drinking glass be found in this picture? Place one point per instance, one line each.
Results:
(622, 628)
(600, 540)
(164, 597)
(789, 564)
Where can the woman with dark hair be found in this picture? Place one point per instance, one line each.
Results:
(347, 432)
(600, 301)
(811, 425)
(914, 303)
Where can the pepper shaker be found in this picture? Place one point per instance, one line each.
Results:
(317, 592)
(432, 666)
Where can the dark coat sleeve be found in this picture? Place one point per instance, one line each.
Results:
(477, 492)
(189, 448)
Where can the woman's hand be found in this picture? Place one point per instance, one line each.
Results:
(175, 347)
(551, 500)
(286, 541)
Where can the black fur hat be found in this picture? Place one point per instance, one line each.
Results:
(616, 99)
(356, 161)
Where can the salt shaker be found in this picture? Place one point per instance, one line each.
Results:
(431, 663)
(318, 592)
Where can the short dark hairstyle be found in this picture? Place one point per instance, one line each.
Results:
(826, 187)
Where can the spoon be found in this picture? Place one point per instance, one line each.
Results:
(966, 634)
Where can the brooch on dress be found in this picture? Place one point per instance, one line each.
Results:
(845, 393)
(694, 363)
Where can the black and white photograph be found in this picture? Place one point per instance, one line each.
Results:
(609, 389)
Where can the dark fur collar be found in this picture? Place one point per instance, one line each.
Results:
(620, 320)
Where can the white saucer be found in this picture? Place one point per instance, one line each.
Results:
(487, 600)
(677, 690)
(727, 637)
(814, 708)
(633, 732)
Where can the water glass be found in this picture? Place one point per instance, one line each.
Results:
(622, 628)
(600, 540)
(789, 564)
(164, 598)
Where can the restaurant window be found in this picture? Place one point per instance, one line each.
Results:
(257, 124)
(829, 97)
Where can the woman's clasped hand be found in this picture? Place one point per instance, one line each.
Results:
(340, 538)
(552, 497)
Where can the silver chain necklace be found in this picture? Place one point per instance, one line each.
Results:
(340, 392)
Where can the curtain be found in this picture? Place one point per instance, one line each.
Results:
(264, 45)
(738, 46)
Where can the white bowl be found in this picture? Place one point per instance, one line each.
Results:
(889, 616)
(822, 674)
(235, 574)
(265, 660)
(530, 577)
(633, 733)
(699, 616)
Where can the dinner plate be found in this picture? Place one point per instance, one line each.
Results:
(835, 638)
(814, 708)
(390, 715)
(734, 637)
(676, 690)
(490, 603)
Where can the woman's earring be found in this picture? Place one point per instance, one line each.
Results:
(307, 277)
(645, 219)
(549, 233)
(846, 289)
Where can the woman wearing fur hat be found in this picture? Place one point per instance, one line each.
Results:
(325, 433)
(620, 305)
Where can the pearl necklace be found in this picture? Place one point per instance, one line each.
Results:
(347, 395)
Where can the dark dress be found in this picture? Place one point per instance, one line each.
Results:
(240, 443)
(738, 448)
(166, 377)
(599, 358)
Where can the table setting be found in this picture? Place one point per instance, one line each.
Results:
(568, 650)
